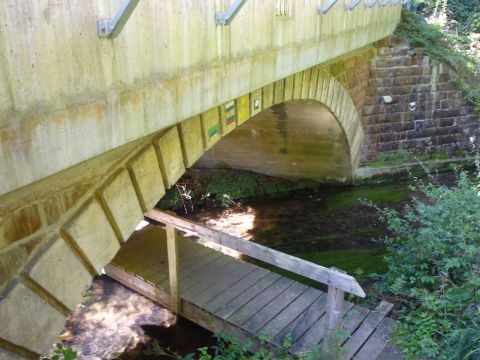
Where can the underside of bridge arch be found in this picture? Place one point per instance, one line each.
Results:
(296, 139)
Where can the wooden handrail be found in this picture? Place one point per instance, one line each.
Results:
(331, 277)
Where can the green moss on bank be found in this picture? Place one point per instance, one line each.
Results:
(387, 194)
(357, 263)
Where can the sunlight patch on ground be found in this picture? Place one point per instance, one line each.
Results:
(110, 321)
(232, 222)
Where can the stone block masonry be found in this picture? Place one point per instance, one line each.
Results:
(427, 112)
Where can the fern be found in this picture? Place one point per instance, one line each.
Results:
(398, 286)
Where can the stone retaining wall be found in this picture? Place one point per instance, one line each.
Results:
(427, 112)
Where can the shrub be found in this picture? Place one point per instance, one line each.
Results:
(434, 263)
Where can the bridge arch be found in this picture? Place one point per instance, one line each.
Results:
(315, 84)
(33, 306)
(296, 139)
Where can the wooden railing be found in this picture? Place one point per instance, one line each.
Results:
(337, 281)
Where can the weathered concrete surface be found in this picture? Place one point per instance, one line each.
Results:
(58, 270)
(92, 232)
(120, 198)
(170, 156)
(66, 95)
(178, 147)
(27, 320)
(192, 140)
(7, 355)
(146, 176)
(296, 140)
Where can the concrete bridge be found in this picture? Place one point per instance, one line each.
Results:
(93, 130)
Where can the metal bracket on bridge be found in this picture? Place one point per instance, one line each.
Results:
(111, 28)
(324, 9)
(370, 4)
(226, 17)
(352, 5)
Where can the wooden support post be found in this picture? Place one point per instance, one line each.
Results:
(173, 273)
(334, 318)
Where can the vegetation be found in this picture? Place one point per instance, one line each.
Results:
(223, 186)
(62, 353)
(434, 268)
(402, 157)
(455, 48)
(229, 348)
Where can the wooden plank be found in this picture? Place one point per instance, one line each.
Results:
(140, 286)
(127, 257)
(353, 319)
(290, 313)
(302, 267)
(377, 342)
(259, 302)
(316, 332)
(155, 256)
(229, 308)
(221, 286)
(218, 274)
(390, 352)
(216, 302)
(189, 269)
(173, 269)
(188, 256)
(216, 325)
(303, 322)
(262, 317)
(365, 330)
(191, 278)
(157, 273)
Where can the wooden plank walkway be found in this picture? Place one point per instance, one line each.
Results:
(225, 294)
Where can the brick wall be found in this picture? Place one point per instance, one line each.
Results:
(427, 112)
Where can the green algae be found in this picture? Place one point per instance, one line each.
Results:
(348, 198)
(358, 263)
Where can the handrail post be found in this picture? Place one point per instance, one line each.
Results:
(334, 312)
(173, 273)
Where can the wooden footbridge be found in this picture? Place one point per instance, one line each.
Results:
(222, 293)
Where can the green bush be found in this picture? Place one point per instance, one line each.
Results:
(434, 266)
(229, 348)
(62, 353)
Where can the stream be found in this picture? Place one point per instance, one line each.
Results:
(333, 226)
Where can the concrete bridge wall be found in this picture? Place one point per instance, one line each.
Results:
(67, 96)
(46, 265)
